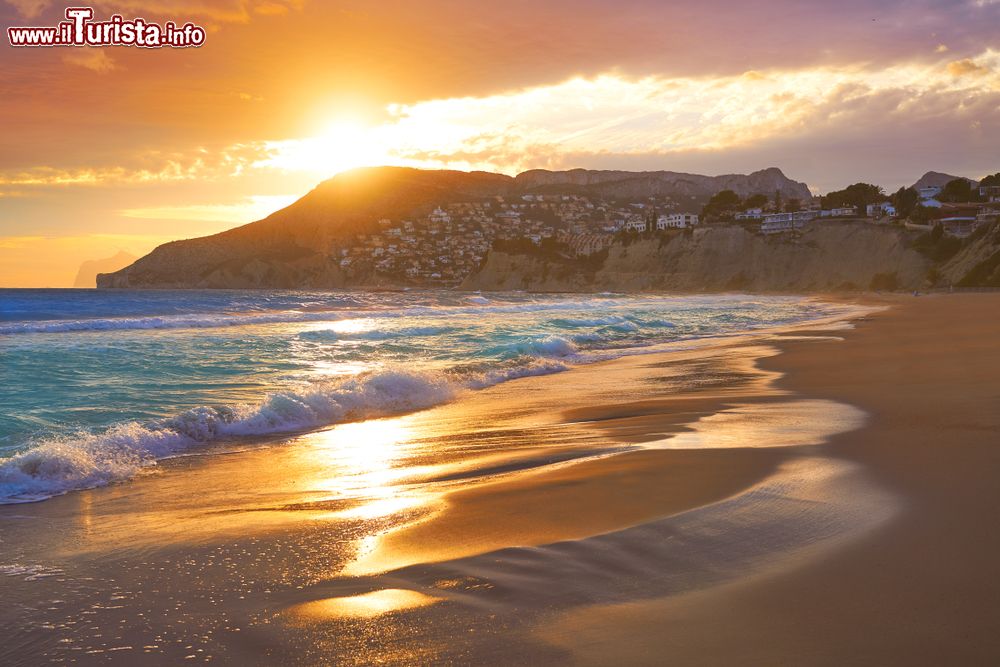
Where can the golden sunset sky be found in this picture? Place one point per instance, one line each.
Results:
(115, 148)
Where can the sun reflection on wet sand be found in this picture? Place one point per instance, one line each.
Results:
(367, 460)
(366, 605)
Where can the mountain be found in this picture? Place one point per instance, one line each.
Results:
(937, 179)
(626, 184)
(290, 248)
(87, 275)
(293, 247)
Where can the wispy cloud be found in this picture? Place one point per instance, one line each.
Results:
(251, 208)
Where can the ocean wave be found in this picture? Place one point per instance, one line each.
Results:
(496, 376)
(575, 322)
(88, 460)
(541, 347)
(377, 334)
(218, 320)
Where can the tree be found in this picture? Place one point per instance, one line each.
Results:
(858, 195)
(793, 204)
(755, 201)
(993, 179)
(958, 190)
(924, 214)
(905, 200)
(721, 205)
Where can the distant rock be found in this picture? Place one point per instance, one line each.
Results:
(625, 184)
(937, 179)
(87, 275)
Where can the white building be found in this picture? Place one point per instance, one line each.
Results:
(843, 212)
(751, 214)
(676, 221)
(880, 210)
(929, 191)
(634, 224)
(439, 215)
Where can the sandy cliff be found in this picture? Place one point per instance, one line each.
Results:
(826, 256)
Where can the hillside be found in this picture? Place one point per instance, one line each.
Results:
(294, 247)
(289, 248)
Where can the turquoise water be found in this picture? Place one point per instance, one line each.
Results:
(98, 384)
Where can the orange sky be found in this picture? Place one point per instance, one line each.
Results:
(124, 148)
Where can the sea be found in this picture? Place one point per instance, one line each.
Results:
(98, 385)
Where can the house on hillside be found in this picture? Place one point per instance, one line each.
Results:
(634, 224)
(959, 221)
(751, 214)
(843, 212)
(676, 221)
(880, 210)
(929, 191)
(439, 215)
(990, 192)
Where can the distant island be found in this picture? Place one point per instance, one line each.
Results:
(87, 273)
(582, 230)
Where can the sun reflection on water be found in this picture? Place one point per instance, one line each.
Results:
(366, 605)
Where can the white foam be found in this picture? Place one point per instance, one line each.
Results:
(87, 460)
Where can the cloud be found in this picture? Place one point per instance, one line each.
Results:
(966, 66)
(614, 115)
(147, 167)
(247, 210)
(94, 59)
(28, 8)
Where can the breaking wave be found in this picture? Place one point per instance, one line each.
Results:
(87, 460)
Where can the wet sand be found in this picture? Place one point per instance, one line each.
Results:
(705, 506)
(922, 590)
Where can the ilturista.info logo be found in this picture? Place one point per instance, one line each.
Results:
(80, 29)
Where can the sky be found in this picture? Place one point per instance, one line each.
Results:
(120, 148)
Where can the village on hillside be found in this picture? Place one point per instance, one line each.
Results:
(449, 242)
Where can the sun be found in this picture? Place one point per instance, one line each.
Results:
(342, 145)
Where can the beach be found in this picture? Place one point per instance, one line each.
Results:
(821, 493)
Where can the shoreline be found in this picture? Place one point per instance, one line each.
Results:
(546, 519)
(181, 444)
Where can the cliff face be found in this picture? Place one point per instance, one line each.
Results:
(977, 264)
(624, 184)
(826, 256)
